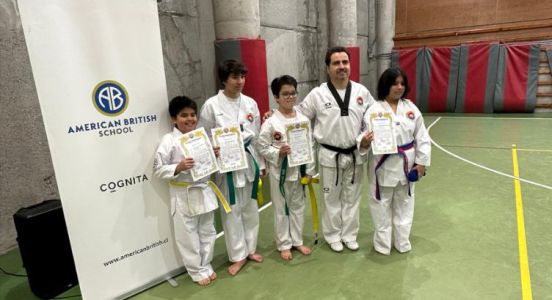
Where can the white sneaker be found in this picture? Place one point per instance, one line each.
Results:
(352, 245)
(336, 247)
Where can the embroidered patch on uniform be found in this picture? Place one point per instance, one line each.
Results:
(326, 190)
(360, 101)
(249, 117)
(277, 136)
(410, 115)
(327, 105)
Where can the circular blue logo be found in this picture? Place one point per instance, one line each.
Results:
(110, 98)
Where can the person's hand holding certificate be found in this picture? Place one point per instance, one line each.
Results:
(232, 151)
(384, 141)
(299, 139)
(196, 144)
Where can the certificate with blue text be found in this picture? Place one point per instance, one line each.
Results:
(232, 151)
(384, 141)
(299, 139)
(196, 144)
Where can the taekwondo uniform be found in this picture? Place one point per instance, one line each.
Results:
(392, 195)
(241, 226)
(288, 210)
(336, 126)
(192, 208)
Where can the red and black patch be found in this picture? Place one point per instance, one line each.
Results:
(277, 136)
(249, 117)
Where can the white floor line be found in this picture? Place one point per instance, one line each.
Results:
(260, 209)
(494, 118)
(481, 166)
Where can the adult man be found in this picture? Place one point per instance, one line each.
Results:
(337, 108)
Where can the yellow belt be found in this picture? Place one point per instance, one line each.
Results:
(260, 197)
(314, 205)
(213, 186)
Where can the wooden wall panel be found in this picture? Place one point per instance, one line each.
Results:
(452, 22)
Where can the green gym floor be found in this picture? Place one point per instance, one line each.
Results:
(478, 232)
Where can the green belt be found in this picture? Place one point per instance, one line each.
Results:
(230, 180)
(283, 175)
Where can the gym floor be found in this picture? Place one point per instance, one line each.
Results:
(478, 233)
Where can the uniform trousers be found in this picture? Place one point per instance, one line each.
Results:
(241, 225)
(392, 215)
(340, 221)
(195, 238)
(288, 229)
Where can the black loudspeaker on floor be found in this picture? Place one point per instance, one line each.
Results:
(45, 248)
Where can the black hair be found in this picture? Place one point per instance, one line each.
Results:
(387, 80)
(278, 82)
(333, 50)
(228, 67)
(178, 103)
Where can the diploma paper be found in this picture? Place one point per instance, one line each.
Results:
(196, 144)
(232, 151)
(384, 137)
(299, 139)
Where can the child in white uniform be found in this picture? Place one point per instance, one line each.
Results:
(391, 176)
(231, 107)
(192, 203)
(286, 193)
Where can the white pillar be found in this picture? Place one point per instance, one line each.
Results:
(372, 44)
(385, 19)
(343, 23)
(237, 19)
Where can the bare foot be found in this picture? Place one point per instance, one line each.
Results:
(304, 249)
(256, 257)
(204, 281)
(236, 267)
(286, 254)
(213, 276)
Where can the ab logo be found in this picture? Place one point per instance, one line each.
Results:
(110, 98)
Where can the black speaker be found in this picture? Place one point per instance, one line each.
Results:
(45, 248)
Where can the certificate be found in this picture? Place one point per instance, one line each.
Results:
(381, 123)
(232, 151)
(299, 138)
(196, 144)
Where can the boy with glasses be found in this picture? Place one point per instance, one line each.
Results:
(286, 191)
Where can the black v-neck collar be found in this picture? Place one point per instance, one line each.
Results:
(343, 104)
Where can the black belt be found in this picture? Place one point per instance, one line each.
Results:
(339, 151)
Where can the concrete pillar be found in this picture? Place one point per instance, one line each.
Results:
(237, 19)
(372, 63)
(385, 19)
(237, 30)
(343, 31)
(343, 23)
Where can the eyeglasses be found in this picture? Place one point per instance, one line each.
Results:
(288, 95)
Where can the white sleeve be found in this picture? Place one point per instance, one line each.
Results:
(264, 144)
(423, 142)
(207, 118)
(363, 151)
(254, 141)
(307, 106)
(162, 165)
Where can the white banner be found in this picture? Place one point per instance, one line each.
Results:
(98, 70)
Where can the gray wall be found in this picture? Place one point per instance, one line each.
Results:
(296, 36)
